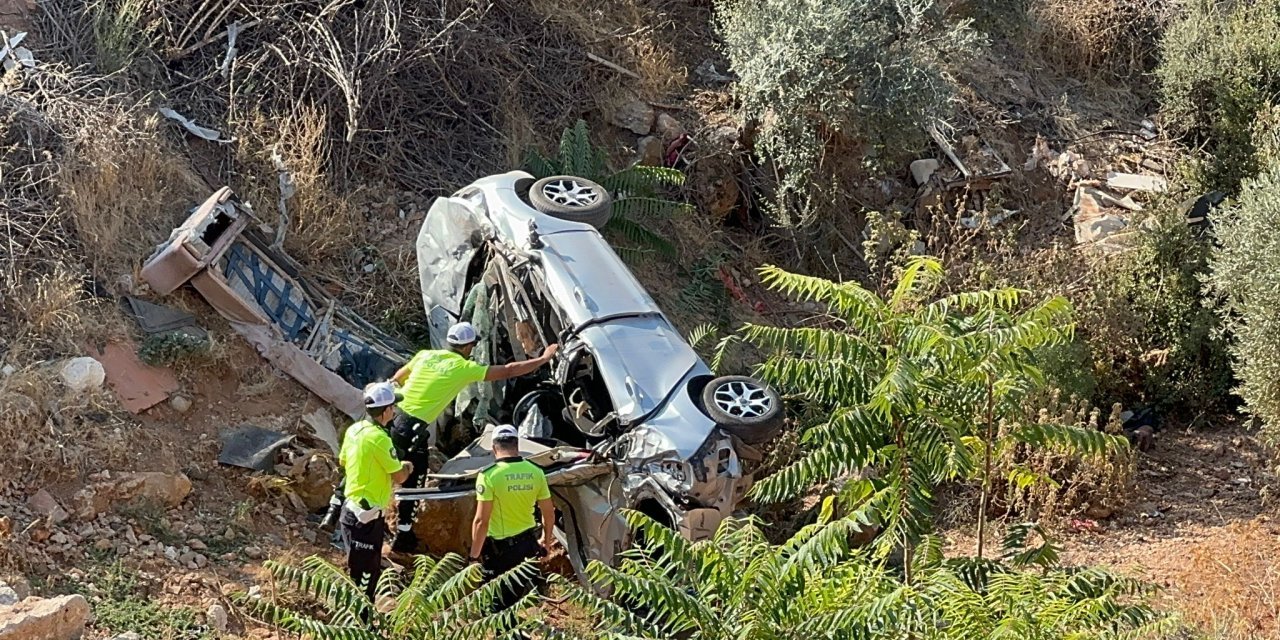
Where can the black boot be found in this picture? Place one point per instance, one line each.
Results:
(404, 542)
(330, 521)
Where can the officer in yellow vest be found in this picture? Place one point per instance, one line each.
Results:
(369, 461)
(430, 382)
(503, 533)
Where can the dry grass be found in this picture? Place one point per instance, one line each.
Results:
(638, 35)
(55, 436)
(323, 226)
(1229, 585)
(1095, 37)
(124, 188)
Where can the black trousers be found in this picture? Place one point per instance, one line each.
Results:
(410, 437)
(500, 556)
(364, 550)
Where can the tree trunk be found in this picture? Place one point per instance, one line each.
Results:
(987, 445)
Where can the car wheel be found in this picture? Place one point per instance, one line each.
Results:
(743, 406)
(573, 199)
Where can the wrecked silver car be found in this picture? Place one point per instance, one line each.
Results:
(628, 416)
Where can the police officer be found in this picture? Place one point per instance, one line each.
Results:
(368, 459)
(504, 533)
(430, 382)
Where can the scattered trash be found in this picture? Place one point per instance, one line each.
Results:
(1197, 209)
(157, 319)
(1039, 153)
(1135, 182)
(13, 56)
(82, 374)
(1148, 130)
(1097, 218)
(8, 370)
(287, 188)
(138, 386)
(976, 161)
(981, 219)
(251, 447)
(232, 31)
(212, 135)
(322, 426)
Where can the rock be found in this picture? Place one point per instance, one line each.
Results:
(83, 373)
(649, 151)
(43, 503)
(254, 553)
(668, 128)
(6, 527)
(8, 595)
(634, 115)
(61, 618)
(128, 635)
(18, 585)
(706, 74)
(180, 403)
(168, 490)
(59, 538)
(195, 544)
(924, 169)
(216, 616)
(103, 545)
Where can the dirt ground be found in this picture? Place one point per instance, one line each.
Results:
(1202, 526)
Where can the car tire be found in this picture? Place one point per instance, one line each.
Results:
(745, 407)
(573, 199)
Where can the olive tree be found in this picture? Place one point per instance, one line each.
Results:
(821, 72)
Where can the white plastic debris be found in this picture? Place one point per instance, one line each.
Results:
(212, 135)
(1135, 182)
(232, 32)
(11, 55)
(83, 373)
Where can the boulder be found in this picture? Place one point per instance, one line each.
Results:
(668, 128)
(166, 489)
(633, 114)
(217, 618)
(61, 618)
(43, 503)
(83, 373)
(922, 170)
(8, 595)
(649, 151)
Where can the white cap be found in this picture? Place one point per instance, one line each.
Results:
(461, 334)
(505, 432)
(380, 394)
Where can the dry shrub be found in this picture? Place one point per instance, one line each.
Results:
(323, 226)
(635, 34)
(124, 187)
(54, 435)
(1068, 484)
(1094, 37)
(87, 186)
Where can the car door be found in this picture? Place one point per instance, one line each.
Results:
(447, 244)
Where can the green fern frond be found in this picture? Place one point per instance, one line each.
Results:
(638, 235)
(643, 180)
